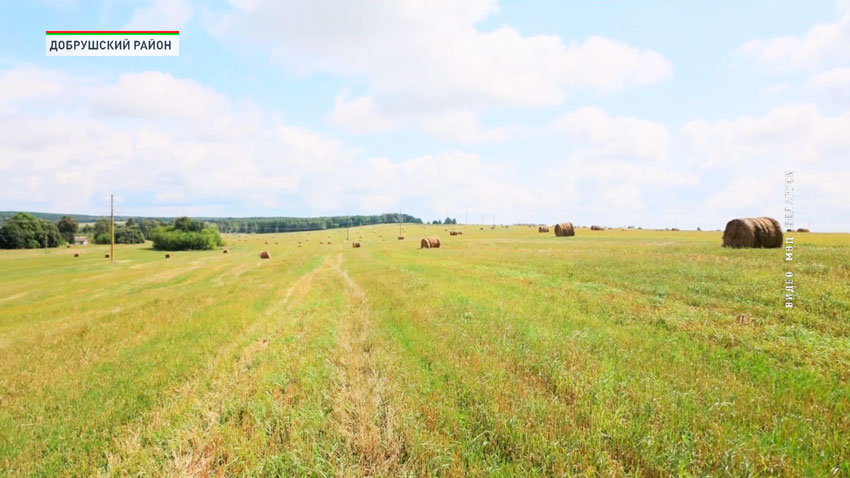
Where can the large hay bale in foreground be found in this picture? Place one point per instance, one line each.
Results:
(542, 229)
(564, 229)
(753, 232)
(430, 242)
(265, 255)
(597, 228)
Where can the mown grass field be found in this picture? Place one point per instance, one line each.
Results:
(504, 353)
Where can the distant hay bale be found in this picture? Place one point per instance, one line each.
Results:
(753, 232)
(454, 233)
(430, 242)
(802, 229)
(106, 255)
(225, 251)
(597, 228)
(400, 238)
(355, 244)
(265, 255)
(168, 256)
(76, 254)
(543, 229)
(674, 229)
(67, 245)
(564, 229)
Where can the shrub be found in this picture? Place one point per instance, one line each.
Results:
(171, 238)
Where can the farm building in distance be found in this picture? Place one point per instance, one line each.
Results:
(81, 240)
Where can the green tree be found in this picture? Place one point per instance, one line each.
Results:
(25, 231)
(68, 228)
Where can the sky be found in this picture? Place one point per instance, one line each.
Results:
(645, 113)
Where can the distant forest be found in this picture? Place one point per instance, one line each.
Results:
(261, 225)
(250, 225)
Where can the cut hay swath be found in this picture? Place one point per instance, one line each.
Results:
(430, 242)
(564, 229)
(753, 232)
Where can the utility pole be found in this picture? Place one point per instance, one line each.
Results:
(112, 227)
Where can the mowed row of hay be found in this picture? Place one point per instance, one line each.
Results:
(753, 232)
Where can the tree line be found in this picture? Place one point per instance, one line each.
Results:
(261, 225)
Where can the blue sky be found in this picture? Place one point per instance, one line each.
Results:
(616, 112)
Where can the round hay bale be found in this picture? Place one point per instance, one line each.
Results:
(355, 245)
(454, 233)
(400, 238)
(168, 256)
(265, 255)
(564, 229)
(67, 245)
(430, 242)
(753, 232)
(596, 228)
(542, 229)
(106, 255)
(802, 229)
(76, 254)
(225, 251)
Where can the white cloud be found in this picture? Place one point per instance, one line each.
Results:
(154, 94)
(359, 115)
(788, 134)
(834, 83)
(426, 58)
(462, 126)
(597, 134)
(822, 45)
(162, 15)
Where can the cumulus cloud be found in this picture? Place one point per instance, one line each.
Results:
(426, 58)
(822, 45)
(145, 135)
(359, 115)
(834, 83)
(597, 134)
(788, 134)
(161, 15)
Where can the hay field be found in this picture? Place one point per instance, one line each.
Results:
(506, 352)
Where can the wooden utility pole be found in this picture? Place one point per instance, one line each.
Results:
(112, 227)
